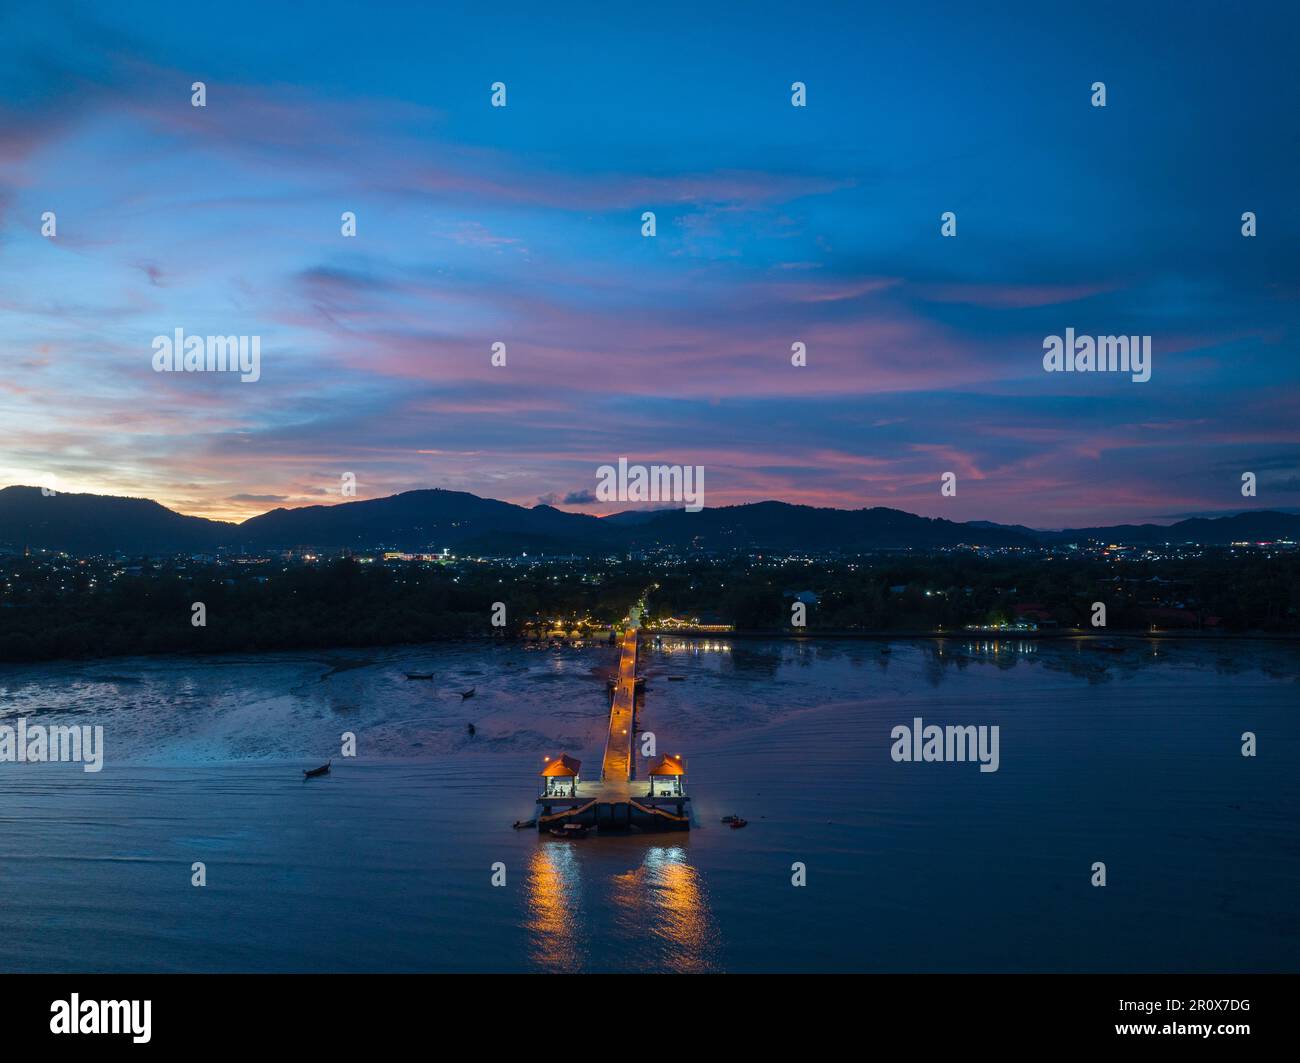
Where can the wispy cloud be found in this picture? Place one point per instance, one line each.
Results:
(522, 227)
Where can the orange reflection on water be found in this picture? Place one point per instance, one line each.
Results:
(554, 908)
(665, 898)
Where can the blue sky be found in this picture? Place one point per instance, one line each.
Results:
(776, 224)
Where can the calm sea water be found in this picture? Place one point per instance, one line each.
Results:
(1129, 758)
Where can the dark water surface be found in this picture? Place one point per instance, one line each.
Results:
(1132, 758)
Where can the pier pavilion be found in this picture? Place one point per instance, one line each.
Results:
(667, 776)
(560, 776)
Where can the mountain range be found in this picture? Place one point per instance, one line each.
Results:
(464, 523)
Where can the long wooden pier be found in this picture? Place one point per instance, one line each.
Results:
(618, 800)
(616, 767)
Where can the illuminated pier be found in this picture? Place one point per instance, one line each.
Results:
(617, 800)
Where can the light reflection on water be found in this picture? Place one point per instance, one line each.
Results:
(659, 910)
(666, 899)
(556, 934)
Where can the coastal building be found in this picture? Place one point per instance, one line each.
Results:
(1019, 625)
(698, 622)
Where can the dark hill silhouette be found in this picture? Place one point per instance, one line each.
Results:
(467, 524)
(781, 526)
(428, 519)
(1261, 526)
(103, 523)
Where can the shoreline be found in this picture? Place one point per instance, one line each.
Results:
(917, 636)
(746, 634)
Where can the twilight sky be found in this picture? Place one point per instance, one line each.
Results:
(776, 224)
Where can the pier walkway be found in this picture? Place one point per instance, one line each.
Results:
(616, 767)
